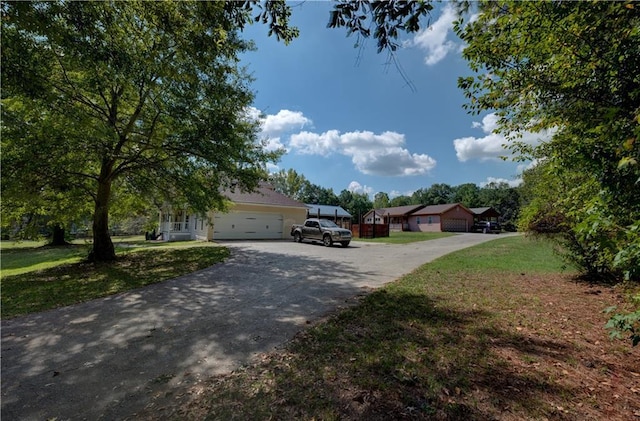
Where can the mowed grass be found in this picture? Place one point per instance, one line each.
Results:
(484, 333)
(405, 237)
(40, 278)
(23, 258)
(27, 256)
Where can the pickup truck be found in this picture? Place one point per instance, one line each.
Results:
(321, 230)
(486, 227)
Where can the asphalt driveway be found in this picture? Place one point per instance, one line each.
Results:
(108, 358)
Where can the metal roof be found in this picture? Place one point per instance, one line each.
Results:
(327, 210)
(487, 209)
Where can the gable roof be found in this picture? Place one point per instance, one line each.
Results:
(399, 210)
(263, 195)
(479, 210)
(327, 210)
(440, 209)
(488, 210)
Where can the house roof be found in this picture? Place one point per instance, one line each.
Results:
(478, 211)
(439, 209)
(486, 210)
(418, 210)
(327, 210)
(397, 210)
(263, 195)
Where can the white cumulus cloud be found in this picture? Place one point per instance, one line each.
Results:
(491, 146)
(374, 154)
(273, 126)
(285, 120)
(435, 39)
(512, 183)
(355, 187)
(309, 143)
(529, 165)
(396, 193)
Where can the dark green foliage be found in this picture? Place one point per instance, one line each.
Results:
(145, 99)
(297, 187)
(570, 68)
(357, 204)
(387, 18)
(625, 324)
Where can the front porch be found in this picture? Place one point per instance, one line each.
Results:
(175, 225)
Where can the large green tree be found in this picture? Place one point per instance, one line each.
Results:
(146, 97)
(380, 200)
(467, 194)
(143, 97)
(400, 201)
(437, 194)
(289, 182)
(505, 199)
(296, 186)
(357, 204)
(570, 68)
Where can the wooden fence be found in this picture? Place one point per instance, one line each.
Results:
(370, 230)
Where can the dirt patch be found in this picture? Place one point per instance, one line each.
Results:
(564, 344)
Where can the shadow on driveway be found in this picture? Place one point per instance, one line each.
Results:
(105, 358)
(108, 358)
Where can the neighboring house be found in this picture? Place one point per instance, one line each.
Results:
(485, 214)
(397, 217)
(452, 217)
(260, 215)
(334, 213)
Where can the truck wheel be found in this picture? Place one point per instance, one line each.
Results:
(345, 243)
(297, 237)
(327, 241)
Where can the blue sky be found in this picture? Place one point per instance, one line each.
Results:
(349, 120)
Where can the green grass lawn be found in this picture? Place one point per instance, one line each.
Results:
(478, 334)
(501, 330)
(37, 277)
(27, 256)
(405, 237)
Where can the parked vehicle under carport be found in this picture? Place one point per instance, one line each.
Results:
(486, 227)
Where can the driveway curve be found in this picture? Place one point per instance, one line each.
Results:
(108, 358)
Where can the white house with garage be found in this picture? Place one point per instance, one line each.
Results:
(260, 215)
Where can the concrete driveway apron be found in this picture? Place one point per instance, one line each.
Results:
(107, 358)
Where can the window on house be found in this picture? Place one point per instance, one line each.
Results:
(186, 222)
(418, 220)
(201, 224)
(430, 220)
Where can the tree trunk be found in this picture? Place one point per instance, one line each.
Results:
(103, 250)
(57, 239)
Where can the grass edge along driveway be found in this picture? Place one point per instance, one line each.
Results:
(36, 277)
(74, 280)
(497, 331)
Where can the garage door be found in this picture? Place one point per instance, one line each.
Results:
(247, 226)
(454, 225)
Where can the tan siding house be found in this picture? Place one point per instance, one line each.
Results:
(259, 215)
